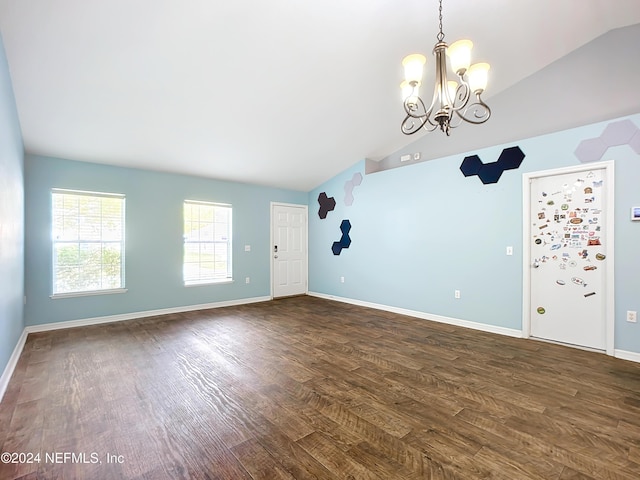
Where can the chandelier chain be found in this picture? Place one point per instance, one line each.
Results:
(441, 34)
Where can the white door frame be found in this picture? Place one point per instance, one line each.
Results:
(271, 241)
(608, 167)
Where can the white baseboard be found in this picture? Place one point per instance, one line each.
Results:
(621, 354)
(509, 332)
(13, 362)
(17, 351)
(624, 355)
(148, 313)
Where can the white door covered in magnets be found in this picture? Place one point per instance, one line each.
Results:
(568, 270)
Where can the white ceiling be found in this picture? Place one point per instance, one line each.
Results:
(283, 93)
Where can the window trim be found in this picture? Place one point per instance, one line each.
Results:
(88, 293)
(216, 281)
(102, 291)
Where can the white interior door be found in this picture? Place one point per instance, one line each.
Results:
(289, 249)
(569, 235)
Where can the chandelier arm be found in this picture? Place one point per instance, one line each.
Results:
(461, 97)
(414, 107)
(418, 117)
(410, 126)
(456, 120)
(480, 112)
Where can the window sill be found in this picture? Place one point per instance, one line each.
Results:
(208, 282)
(57, 296)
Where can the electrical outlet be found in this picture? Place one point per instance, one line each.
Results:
(632, 316)
(456, 293)
(341, 279)
(247, 280)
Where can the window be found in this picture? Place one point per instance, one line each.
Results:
(88, 242)
(207, 243)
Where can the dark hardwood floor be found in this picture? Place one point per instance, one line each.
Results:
(304, 388)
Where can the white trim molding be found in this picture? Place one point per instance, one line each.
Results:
(17, 351)
(509, 332)
(11, 365)
(88, 293)
(624, 355)
(45, 327)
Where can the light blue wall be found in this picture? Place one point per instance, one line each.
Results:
(421, 231)
(153, 238)
(11, 218)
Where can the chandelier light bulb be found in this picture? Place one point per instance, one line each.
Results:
(413, 66)
(459, 54)
(478, 74)
(410, 93)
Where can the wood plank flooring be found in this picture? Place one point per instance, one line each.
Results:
(306, 388)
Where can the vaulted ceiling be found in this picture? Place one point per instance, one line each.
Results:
(280, 93)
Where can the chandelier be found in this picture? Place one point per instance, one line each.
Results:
(452, 102)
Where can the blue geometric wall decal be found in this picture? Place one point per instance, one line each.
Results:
(327, 204)
(471, 165)
(490, 173)
(345, 240)
(510, 159)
